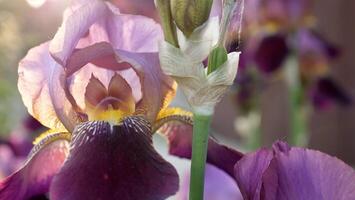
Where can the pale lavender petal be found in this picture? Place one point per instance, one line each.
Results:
(95, 21)
(75, 26)
(35, 91)
(218, 186)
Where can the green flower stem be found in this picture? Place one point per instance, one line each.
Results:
(199, 155)
(298, 124)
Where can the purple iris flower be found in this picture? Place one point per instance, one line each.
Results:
(98, 86)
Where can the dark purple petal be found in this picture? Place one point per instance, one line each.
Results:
(114, 162)
(327, 91)
(249, 173)
(179, 137)
(34, 177)
(271, 53)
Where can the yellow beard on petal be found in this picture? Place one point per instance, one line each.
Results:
(111, 115)
(166, 112)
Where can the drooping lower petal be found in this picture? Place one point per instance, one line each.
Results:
(34, 177)
(114, 162)
(178, 131)
(249, 172)
(310, 174)
(294, 173)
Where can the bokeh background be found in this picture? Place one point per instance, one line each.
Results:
(295, 81)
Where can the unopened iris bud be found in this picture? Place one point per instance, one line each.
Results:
(190, 14)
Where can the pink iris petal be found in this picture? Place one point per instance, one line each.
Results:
(95, 34)
(33, 83)
(95, 22)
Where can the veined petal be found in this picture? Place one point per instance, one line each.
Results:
(34, 178)
(35, 92)
(114, 162)
(310, 174)
(249, 172)
(74, 27)
(96, 21)
(178, 131)
(294, 173)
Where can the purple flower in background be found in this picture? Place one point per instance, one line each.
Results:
(277, 15)
(98, 86)
(271, 53)
(15, 148)
(326, 92)
(285, 172)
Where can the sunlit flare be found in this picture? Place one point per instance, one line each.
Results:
(36, 3)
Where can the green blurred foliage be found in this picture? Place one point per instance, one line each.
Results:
(21, 28)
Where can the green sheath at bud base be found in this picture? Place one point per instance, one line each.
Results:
(217, 57)
(190, 14)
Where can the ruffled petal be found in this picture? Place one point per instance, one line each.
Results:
(309, 174)
(294, 173)
(150, 76)
(114, 162)
(34, 178)
(74, 26)
(178, 131)
(95, 21)
(249, 172)
(35, 91)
